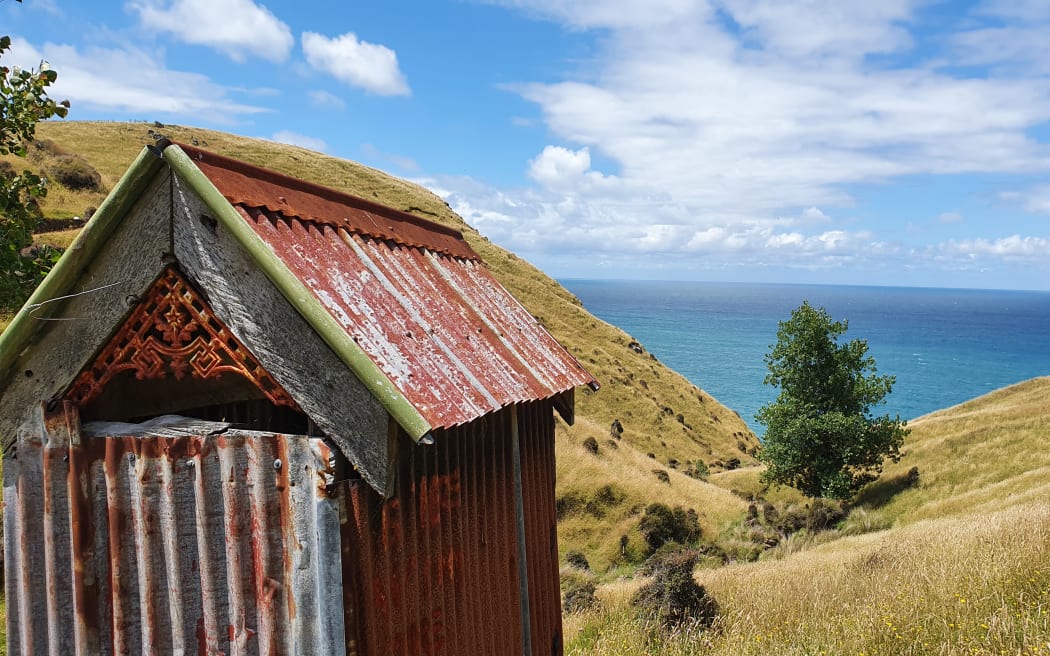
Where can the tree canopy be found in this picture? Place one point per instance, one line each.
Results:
(23, 103)
(820, 435)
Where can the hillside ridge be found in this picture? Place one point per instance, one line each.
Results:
(651, 425)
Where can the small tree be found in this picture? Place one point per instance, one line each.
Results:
(23, 103)
(820, 437)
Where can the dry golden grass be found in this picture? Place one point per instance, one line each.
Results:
(59, 239)
(965, 568)
(973, 585)
(984, 455)
(596, 528)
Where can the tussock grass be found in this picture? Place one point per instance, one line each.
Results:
(976, 585)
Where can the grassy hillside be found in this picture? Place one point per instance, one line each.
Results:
(958, 563)
(953, 558)
(668, 423)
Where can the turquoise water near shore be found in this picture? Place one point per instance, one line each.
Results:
(945, 346)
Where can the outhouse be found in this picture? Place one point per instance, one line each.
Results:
(246, 414)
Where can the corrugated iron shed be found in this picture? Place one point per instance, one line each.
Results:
(181, 538)
(412, 294)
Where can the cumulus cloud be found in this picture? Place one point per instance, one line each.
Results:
(561, 168)
(132, 81)
(236, 28)
(296, 139)
(368, 66)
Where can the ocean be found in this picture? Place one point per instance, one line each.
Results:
(945, 346)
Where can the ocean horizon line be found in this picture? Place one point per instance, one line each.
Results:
(571, 279)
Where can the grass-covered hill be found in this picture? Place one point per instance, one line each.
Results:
(672, 432)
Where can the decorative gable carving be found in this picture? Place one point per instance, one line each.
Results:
(172, 332)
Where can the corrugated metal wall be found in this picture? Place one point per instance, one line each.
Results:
(244, 543)
(208, 544)
(434, 570)
(538, 474)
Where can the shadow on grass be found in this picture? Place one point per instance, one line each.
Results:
(882, 491)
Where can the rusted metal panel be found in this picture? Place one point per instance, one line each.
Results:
(434, 570)
(253, 187)
(411, 292)
(453, 341)
(209, 544)
(541, 526)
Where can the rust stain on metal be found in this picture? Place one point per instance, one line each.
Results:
(172, 332)
(433, 570)
(154, 545)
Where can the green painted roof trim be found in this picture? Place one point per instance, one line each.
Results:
(84, 248)
(301, 298)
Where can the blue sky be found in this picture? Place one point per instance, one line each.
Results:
(888, 143)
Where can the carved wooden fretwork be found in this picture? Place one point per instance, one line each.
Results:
(172, 332)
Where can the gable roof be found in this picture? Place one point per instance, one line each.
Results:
(403, 302)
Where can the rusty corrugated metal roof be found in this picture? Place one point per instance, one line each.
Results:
(411, 293)
(253, 187)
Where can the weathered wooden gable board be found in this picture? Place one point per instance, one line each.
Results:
(104, 294)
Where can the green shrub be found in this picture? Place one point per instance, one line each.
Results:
(577, 591)
(697, 469)
(568, 503)
(591, 445)
(661, 524)
(610, 495)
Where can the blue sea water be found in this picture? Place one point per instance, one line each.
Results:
(945, 346)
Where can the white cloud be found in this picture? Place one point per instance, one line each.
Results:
(1012, 248)
(814, 215)
(625, 14)
(326, 100)
(568, 170)
(132, 81)
(740, 129)
(296, 139)
(369, 66)
(236, 28)
(949, 217)
(823, 27)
